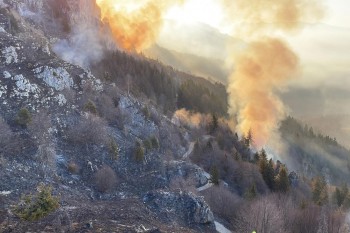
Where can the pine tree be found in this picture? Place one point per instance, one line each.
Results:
(270, 175)
(267, 169)
(251, 193)
(319, 191)
(214, 124)
(248, 139)
(338, 197)
(214, 175)
(341, 194)
(282, 181)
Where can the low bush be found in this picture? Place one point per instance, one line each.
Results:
(139, 152)
(23, 117)
(73, 168)
(105, 179)
(35, 207)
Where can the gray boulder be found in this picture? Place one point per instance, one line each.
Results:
(180, 205)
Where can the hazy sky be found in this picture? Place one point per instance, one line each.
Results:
(323, 49)
(211, 13)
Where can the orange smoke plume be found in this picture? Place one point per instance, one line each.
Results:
(184, 117)
(264, 67)
(266, 64)
(135, 24)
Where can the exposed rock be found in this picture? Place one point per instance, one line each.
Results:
(180, 205)
(61, 100)
(6, 74)
(24, 87)
(10, 55)
(58, 78)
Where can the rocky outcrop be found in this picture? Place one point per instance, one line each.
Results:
(180, 206)
(58, 78)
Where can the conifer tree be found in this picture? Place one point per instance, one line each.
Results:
(282, 180)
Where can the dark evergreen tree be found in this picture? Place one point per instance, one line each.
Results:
(214, 175)
(319, 190)
(282, 180)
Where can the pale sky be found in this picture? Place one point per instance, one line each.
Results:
(211, 13)
(323, 48)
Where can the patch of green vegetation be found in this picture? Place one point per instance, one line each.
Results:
(35, 207)
(23, 117)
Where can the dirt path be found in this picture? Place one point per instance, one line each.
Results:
(189, 151)
(221, 228)
(218, 226)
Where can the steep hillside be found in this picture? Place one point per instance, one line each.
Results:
(94, 139)
(314, 154)
(99, 148)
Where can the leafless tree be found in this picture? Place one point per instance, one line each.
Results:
(336, 220)
(10, 144)
(89, 130)
(261, 215)
(180, 183)
(46, 155)
(223, 202)
(105, 179)
(306, 220)
(40, 127)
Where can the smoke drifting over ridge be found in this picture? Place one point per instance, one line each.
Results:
(266, 64)
(134, 24)
(86, 43)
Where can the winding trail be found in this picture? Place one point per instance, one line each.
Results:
(189, 151)
(218, 226)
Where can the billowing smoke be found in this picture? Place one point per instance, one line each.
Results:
(192, 120)
(135, 24)
(266, 64)
(83, 47)
(260, 70)
(85, 43)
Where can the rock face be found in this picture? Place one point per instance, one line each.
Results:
(180, 206)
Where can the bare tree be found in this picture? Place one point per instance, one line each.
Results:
(40, 127)
(180, 183)
(46, 155)
(222, 202)
(6, 134)
(9, 143)
(105, 179)
(89, 130)
(262, 216)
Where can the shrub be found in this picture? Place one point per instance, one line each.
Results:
(139, 152)
(35, 207)
(89, 130)
(105, 179)
(73, 168)
(147, 144)
(146, 112)
(90, 107)
(5, 134)
(154, 142)
(40, 126)
(23, 117)
(46, 157)
(114, 149)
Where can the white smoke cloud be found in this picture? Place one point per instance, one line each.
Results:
(83, 46)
